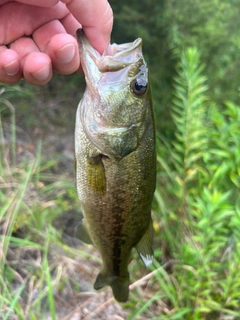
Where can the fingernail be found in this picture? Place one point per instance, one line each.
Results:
(66, 53)
(12, 68)
(42, 74)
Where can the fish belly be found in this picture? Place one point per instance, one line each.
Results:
(116, 197)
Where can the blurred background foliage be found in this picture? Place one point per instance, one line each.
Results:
(167, 27)
(192, 50)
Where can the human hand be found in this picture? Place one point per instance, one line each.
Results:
(37, 37)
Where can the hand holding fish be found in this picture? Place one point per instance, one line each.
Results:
(37, 37)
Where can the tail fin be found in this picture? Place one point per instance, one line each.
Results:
(119, 286)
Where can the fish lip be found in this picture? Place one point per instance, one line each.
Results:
(122, 49)
(117, 49)
(112, 58)
(84, 42)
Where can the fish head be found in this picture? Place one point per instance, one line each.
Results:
(116, 104)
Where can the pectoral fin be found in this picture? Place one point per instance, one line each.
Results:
(145, 246)
(82, 233)
(96, 174)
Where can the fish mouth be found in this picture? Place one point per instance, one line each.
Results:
(115, 57)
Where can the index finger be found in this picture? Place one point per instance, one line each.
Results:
(96, 18)
(19, 19)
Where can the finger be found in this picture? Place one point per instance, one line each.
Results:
(40, 3)
(61, 47)
(36, 66)
(10, 67)
(96, 18)
(19, 19)
(71, 25)
(63, 50)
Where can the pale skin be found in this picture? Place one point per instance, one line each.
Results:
(37, 37)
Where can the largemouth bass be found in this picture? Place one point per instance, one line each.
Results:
(115, 159)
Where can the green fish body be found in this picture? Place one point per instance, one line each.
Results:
(115, 160)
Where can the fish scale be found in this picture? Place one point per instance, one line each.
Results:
(115, 161)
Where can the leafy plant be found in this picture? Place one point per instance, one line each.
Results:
(197, 200)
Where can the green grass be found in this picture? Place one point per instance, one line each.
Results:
(30, 200)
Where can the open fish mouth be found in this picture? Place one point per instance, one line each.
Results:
(115, 57)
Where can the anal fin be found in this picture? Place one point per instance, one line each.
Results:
(145, 246)
(82, 233)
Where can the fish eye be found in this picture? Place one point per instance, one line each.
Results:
(138, 86)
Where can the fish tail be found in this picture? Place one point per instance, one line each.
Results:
(120, 289)
(120, 286)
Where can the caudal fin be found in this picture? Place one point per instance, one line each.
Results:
(119, 286)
